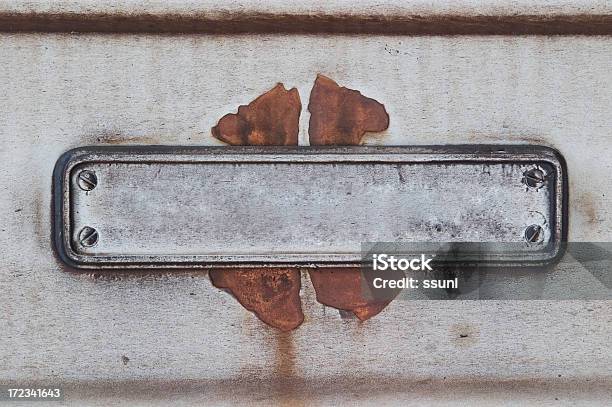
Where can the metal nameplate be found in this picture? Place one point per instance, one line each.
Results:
(175, 207)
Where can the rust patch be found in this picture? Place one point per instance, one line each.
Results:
(272, 294)
(270, 120)
(342, 116)
(341, 288)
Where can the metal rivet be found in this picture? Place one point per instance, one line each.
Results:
(534, 178)
(534, 234)
(87, 180)
(88, 237)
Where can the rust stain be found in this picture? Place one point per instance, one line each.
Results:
(339, 116)
(285, 383)
(588, 207)
(285, 355)
(123, 139)
(272, 294)
(341, 288)
(342, 116)
(272, 119)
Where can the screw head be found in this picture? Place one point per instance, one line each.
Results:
(534, 178)
(88, 237)
(534, 234)
(87, 180)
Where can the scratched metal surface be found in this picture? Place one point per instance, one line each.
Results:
(160, 336)
(210, 206)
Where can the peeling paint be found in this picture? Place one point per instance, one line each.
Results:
(272, 119)
(272, 294)
(341, 288)
(341, 116)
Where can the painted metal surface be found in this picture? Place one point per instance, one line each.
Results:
(144, 338)
(65, 91)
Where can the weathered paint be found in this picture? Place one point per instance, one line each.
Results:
(341, 116)
(272, 294)
(189, 342)
(272, 119)
(342, 288)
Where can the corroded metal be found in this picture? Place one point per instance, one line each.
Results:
(249, 206)
(271, 119)
(340, 116)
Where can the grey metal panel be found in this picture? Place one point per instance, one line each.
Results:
(65, 91)
(172, 207)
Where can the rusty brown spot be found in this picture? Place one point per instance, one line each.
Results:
(272, 294)
(270, 120)
(587, 205)
(341, 288)
(341, 116)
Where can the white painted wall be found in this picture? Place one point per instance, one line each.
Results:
(63, 91)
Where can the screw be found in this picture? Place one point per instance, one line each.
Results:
(534, 234)
(87, 180)
(534, 178)
(88, 237)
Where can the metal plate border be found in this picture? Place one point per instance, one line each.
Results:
(429, 154)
